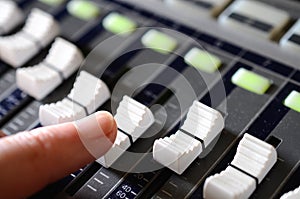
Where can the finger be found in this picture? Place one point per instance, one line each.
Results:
(2, 134)
(31, 160)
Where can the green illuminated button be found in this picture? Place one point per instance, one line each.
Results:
(202, 60)
(159, 41)
(52, 2)
(83, 9)
(119, 24)
(251, 81)
(293, 101)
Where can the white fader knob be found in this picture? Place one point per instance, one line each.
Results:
(40, 29)
(121, 144)
(64, 59)
(253, 160)
(295, 194)
(203, 122)
(177, 152)
(229, 184)
(87, 95)
(202, 125)
(133, 119)
(10, 16)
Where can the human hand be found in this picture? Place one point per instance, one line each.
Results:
(31, 160)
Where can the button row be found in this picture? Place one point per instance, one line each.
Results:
(38, 81)
(163, 43)
(87, 95)
(196, 7)
(10, 16)
(253, 160)
(251, 17)
(114, 22)
(202, 125)
(133, 119)
(258, 84)
(40, 29)
(246, 16)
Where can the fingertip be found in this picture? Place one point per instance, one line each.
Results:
(97, 132)
(2, 134)
(73, 145)
(108, 124)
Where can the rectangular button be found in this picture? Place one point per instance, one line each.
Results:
(159, 41)
(53, 2)
(202, 60)
(119, 24)
(293, 101)
(85, 10)
(251, 81)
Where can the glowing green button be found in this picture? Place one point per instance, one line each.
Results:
(251, 81)
(83, 9)
(52, 2)
(293, 101)
(202, 60)
(119, 24)
(159, 41)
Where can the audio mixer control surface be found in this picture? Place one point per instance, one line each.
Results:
(205, 93)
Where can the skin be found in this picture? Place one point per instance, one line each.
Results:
(31, 160)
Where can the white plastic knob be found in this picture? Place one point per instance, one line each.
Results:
(87, 95)
(38, 81)
(40, 29)
(10, 16)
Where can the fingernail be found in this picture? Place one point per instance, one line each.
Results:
(97, 132)
(106, 121)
